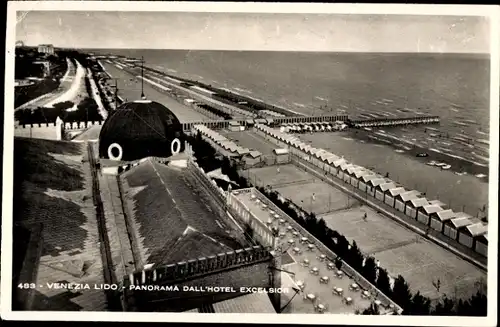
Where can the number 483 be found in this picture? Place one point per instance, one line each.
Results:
(26, 285)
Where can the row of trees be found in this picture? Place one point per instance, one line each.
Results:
(399, 291)
(86, 110)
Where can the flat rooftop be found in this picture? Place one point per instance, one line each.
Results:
(171, 220)
(302, 272)
(55, 189)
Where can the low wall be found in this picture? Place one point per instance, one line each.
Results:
(218, 200)
(49, 131)
(260, 230)
(246, 267)
(348, 270)
(198, 266)
(81, 124)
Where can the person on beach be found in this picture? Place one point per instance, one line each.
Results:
(365, 216)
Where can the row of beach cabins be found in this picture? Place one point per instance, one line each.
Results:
(227, 147)
(459, 226)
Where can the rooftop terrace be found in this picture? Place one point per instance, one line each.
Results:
(323, 287)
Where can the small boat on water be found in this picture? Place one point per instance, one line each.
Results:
(431, 163)
(440, 164)
(423, 155)
(461, 173)
(446, 167)
(480, 175)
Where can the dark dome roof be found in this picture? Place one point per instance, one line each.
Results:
(142, 128)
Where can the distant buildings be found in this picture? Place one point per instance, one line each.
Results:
(46, 49)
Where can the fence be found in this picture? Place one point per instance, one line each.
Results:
(266, 161)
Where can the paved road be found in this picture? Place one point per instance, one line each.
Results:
(66, 83)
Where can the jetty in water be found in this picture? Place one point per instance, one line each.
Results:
(379, 122)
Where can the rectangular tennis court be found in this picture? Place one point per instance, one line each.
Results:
(402, 252)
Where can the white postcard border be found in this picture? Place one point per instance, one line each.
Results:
(492, 12)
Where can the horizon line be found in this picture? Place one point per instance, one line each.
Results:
(266, 50)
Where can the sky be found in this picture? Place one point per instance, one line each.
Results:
(245, 31)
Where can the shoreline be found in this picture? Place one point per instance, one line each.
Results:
(457, 164)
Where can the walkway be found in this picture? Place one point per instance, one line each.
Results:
(76, 88)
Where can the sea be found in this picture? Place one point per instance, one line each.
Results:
(454, 87)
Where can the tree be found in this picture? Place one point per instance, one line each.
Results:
(338, 263)
(342, 246)
(354, 257)
(61, 106)
(420, 305)
(383, 282)
(369, 270)
(445, 307)
(226, 165)
(401, 293)
(477, 305)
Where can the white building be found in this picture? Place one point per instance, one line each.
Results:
(46, 49)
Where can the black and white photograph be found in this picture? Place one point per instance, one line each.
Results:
(197, 160)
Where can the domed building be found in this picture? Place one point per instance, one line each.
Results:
(140, 129)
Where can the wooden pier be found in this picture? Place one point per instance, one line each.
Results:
(379, 122)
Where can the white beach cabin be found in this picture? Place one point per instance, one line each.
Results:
(381, 189)
(413, 207)
(482, 244)
(452, 226)
(391, 195)
(439, 218)
(426, 211)
(403, 198)
(468, 235)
